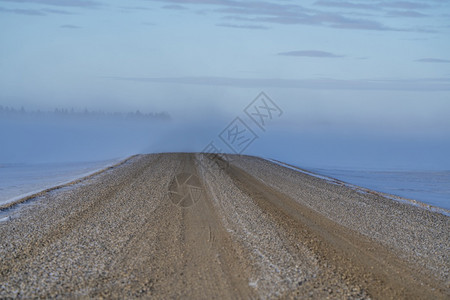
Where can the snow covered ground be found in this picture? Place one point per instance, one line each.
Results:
(429, 187)
(20, 180)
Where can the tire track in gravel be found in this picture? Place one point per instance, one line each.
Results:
(276, 269)
(354, 257)
(182, 253)
(211, 263)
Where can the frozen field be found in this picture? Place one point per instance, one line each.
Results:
(430, 187)
(20, 180)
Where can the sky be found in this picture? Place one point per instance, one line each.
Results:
(357, 81)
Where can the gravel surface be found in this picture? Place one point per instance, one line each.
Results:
(191, 226)
(414, 233)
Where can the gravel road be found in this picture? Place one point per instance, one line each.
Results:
(191, 226)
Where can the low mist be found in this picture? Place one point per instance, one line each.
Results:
(68, 136)
(63, 136)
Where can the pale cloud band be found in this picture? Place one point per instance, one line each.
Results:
(425, 84)
(66, 3)
(310, 53)
(333, 14)
(433, 60)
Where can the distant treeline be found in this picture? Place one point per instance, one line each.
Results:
(10, 111)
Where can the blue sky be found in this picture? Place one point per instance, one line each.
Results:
(378, 68)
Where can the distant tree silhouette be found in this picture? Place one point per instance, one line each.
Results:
(6, 110)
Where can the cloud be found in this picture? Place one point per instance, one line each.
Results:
(241, 26)
(406, 13)
(422, 84)
(68, 26)
(344, 4)
(310, 53)
(67, 3)
(374, 6)
(28, 12)
(57, 11)
(322, 19)
(285, 13)
(134, 8)
(34, 12)
(405, 5)
(174, 7)
(433, 60)
(331, 20)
